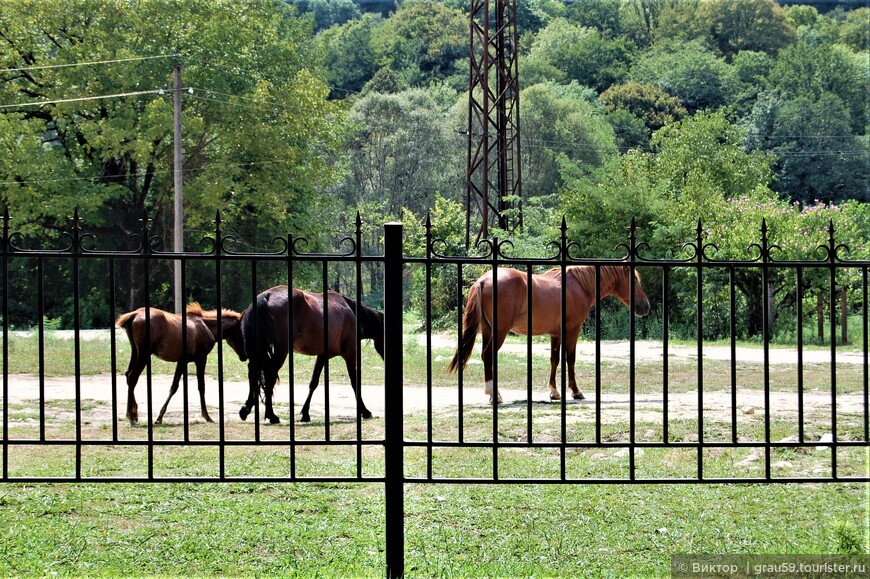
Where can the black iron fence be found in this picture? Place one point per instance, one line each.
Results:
(658, 410)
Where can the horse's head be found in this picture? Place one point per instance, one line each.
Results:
(232, 333)
(623, 291)
(373, 328)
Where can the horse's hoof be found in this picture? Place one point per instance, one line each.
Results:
(134, 423)
(578, 396)
(305, 418)
(366, 414)
(500, 400)
(554, 395)
(274, 420)
(158, 421)
(243, 412)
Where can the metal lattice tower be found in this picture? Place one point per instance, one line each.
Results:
(493, 179)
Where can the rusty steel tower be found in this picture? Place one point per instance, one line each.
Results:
(493, 179)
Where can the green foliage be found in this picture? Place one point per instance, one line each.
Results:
(689, 71)
(329, 13)
(582, 54)
(855, 31)
(653, 106)
(700, 162)
(560, 125)
(819, 159)
(423, 42)
(347, 55)
(759, 25)
(401, 151)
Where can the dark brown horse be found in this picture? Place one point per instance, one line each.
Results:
(546, 313)
(166, 344)
(265, 327)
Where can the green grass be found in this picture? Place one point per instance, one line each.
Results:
(315, 529)
(330, 530)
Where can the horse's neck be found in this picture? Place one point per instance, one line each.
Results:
(586, 275)
(211, 320)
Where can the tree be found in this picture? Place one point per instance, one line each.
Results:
(401, 152)
(605, 16)
(652, 105)
(819, 159)
(424, 42)
(328, 13)
(260, 139)
(347, 56)
(797, 231)
(813, 117)
(700, 161)
(855, 31)
(641, 19)
(810, 69)
(582, 54)
(688, 71)
(560, 125)
(759, 25)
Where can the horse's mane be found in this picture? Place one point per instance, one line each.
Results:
(212, 314)
(194, 309)
(371, 321)
(585, 275)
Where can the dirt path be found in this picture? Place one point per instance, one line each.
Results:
(24, 391)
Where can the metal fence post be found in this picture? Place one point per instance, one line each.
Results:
(394, 497)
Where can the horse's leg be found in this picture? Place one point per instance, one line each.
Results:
(268, 389)
(555, 354)
(179, 370)
(350, 362)
(491, 345)
(576, 393)
(132, 375)
(319, 363)
(253, 388)
(200, 382)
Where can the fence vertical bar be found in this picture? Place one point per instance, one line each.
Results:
(866, 366)
(40, 300)
(222, 448)
(699, 336)
(666, 314)
(394, 469)
(800, 353)
(5, 306)
(732, 330)
(77, 345)
(765, 330)
(832, 296)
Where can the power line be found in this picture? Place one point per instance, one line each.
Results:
(82, 99)
(90, 63)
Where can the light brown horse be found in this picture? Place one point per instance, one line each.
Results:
(166, 344)
(265, 326)
(546, 313)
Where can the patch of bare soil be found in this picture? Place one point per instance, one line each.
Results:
(103, 392)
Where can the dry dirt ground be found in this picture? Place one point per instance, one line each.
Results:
(24, 391)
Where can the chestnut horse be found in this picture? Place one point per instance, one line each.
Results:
(265, 326)
(546, 313)
(166, 344)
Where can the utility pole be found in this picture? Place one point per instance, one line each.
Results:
(178, 214)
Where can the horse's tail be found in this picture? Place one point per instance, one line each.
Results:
(371, 323)
(258, 330)
(470, 325)
(124, 320)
